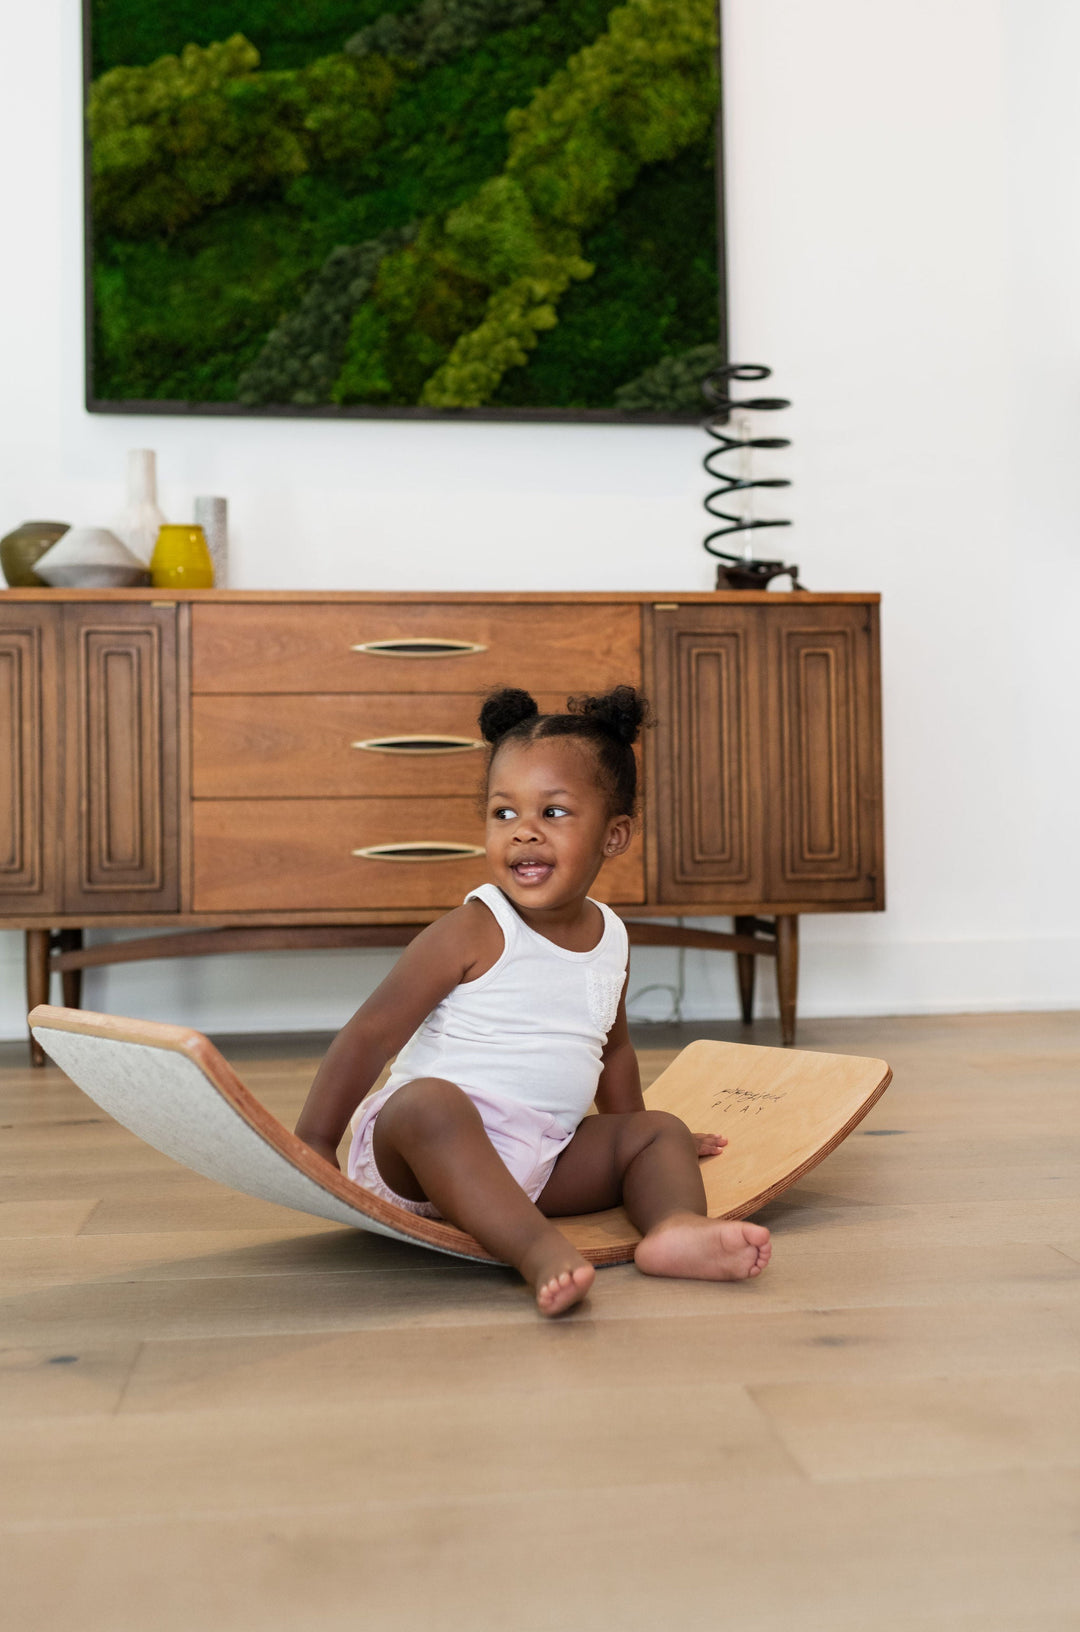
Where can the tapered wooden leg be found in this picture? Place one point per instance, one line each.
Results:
(71, 940)
(37, 982)
(787, 973)
(747, 964)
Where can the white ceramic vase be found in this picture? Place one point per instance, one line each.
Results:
(142, 517)
(90, 558)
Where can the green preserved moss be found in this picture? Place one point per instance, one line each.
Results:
(303, 355)
(189, 133)
(438, 30)
(287, 33)
(642, 92)
(654, 292)
(182, 324)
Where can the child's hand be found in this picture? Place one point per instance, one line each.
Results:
(709, 1144)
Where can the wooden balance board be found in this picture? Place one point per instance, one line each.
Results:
(782, 1109)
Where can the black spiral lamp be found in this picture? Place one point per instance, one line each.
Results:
(745, 571)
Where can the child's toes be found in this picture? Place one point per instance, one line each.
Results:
(550, 1290)
(563, 1290)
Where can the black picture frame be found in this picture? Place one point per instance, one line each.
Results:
(227, 410)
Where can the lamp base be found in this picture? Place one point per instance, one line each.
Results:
(754, 574)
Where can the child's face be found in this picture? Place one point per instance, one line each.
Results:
(548, 825)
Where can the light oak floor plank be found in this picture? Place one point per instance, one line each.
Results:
(489, 1444)
(819, 1223)
(48, 1218)
(311, 1247)
(436, 1294)
(879, 1276)
(907, 1428)
(992, 1553)
(266, 1373)
(36, 1383)
(163, 1203)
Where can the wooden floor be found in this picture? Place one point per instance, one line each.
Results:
(217, 1416)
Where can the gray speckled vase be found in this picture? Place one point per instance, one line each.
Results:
(212, 515)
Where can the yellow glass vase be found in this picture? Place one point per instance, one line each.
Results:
(181, 559)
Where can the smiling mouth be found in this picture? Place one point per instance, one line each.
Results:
(532, 872)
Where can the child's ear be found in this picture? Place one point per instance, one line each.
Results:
(620, 832)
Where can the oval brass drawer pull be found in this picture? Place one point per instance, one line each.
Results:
(414, 646)
(420, 850)
(426, 743)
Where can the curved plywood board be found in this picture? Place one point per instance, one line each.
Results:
(783, 1111)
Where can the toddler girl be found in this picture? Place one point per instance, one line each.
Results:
(510, 1018)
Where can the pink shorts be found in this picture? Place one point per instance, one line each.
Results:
(529, 1142)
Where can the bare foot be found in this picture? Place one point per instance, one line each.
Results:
(559, 1276)
(704, 1249)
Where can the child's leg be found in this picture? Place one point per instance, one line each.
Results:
(648, 1161)
(430, 1143)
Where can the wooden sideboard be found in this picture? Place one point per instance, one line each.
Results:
(266, 769)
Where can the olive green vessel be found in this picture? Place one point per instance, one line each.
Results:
(21, 548)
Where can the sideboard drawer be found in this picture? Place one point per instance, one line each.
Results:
(420, 647)
(265, 855)
(333, 745)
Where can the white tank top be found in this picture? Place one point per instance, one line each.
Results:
(533, 1027)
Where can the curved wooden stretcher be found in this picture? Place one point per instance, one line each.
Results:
(782, 1109)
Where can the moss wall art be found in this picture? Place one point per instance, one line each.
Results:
(497, 208)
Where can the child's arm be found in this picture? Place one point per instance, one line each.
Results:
(619, 1088)
(441, 956)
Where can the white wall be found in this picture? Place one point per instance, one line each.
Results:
(905, 252)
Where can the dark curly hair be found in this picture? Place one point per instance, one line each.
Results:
(611, 724)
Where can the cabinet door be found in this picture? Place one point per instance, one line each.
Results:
(28, 758)
(120, 757)
(823, 769)
(705, 773)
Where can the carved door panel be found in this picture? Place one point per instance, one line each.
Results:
(120, 759)
(705, 776)
(823, 754)
(28, 758)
